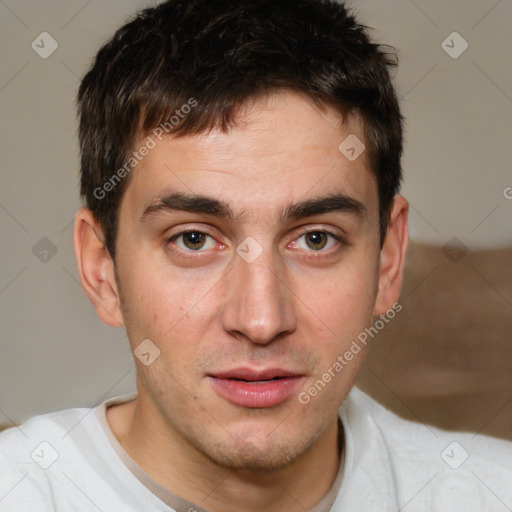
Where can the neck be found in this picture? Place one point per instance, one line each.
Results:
(176, 465)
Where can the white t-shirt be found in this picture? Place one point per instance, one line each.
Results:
(69, 461)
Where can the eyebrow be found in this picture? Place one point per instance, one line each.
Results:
(201, 204)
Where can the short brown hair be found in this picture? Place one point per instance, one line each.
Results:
(223, 53)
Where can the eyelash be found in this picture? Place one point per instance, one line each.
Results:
(195, 254)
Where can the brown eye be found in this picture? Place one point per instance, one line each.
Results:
(316, 240)
(192, 240)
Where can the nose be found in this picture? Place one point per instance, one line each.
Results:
(259, 302)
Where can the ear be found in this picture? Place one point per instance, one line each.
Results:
(96, 268)
(392, 257)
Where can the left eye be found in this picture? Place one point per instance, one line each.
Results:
(316, 240)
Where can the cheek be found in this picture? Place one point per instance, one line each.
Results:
(156, 295)
(172, 312)
(342, 299)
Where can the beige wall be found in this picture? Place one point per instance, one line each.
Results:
(54, 351)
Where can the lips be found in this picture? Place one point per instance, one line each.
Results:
(246, 374)
(254, 388)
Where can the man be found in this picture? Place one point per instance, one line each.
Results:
(241, 169)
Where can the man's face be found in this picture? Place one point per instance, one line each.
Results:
(286, 304)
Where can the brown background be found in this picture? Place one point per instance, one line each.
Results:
(446, 358)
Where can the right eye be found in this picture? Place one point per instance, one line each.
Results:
(192, 241)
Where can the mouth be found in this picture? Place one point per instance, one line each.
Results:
(256, 388)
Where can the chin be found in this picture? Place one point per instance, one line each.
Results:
(249, 454)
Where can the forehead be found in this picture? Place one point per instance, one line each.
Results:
(282, 149)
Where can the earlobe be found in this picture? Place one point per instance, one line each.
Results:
(96, 268)
(392, 257)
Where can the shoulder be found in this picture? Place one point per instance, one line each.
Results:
(404, 436)
(19, 444)
(428, 465)
(29, 451)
